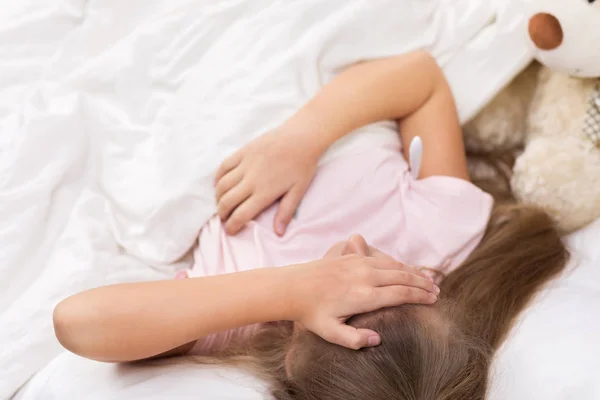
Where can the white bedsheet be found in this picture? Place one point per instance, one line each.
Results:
(114, 115)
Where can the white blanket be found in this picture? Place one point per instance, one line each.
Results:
(114, 115)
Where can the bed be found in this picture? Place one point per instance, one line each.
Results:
(114, 116)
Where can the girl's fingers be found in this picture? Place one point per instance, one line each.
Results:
(350, 337)
(418, 271)
(390, 263)
(232, 199)
(390, 277)
(230, 163)
(245, 212)
(227, 182)
(380, 254)
(287, 207)
(392, 296)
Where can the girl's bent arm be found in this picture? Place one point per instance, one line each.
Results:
(135, 321)
(411, 89)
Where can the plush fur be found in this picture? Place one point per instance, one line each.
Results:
(540, 116)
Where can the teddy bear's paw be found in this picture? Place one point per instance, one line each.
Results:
(562, 177)
(559, 105)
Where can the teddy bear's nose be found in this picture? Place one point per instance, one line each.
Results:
(545, 31)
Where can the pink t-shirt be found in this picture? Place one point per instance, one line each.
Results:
(434, 222)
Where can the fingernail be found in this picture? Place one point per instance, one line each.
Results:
(436, 289)
(280, 228)
(374, 340)
(433, 298)
(229, 229)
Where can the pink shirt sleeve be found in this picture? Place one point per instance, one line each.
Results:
(446, 218)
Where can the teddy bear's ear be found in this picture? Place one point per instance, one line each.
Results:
(564, 35)
(545, 31)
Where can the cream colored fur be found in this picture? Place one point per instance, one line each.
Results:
(542, 113)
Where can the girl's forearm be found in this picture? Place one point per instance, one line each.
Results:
(386, 89)
(129, 322)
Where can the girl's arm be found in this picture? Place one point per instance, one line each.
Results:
(135, 321)
(411, 89)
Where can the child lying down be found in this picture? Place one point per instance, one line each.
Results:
(421, 276)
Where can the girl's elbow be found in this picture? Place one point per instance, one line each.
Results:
(69, 326)
(424, 61)
(83, 331)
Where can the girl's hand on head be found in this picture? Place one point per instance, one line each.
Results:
(276, 166)
(325, 293)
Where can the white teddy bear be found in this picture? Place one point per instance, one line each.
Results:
(553, 111)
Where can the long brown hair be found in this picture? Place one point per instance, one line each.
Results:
(440, 352)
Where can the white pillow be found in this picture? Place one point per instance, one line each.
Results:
(72, 377)
(553, 352)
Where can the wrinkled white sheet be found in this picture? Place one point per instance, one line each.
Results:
(551, 355)
(114, 115)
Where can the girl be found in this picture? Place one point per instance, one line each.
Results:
(357, 296)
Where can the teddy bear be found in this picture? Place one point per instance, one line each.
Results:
(549, 116)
